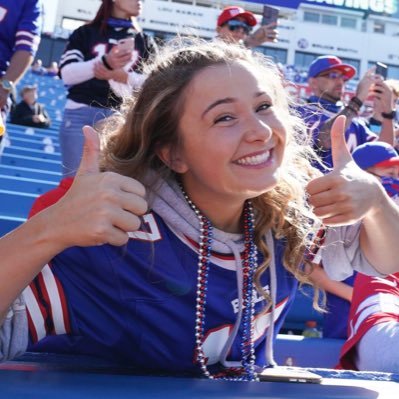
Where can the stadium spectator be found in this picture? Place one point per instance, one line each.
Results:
(96, 68)
(178, 274)
(19, 39)
(234, 25)
(53, 69)
(376, 119)
(381, 160)
(327, 77)
(373, 328)
(29, 112)
(37, 67)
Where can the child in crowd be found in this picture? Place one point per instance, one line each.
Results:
(381, 160)
(373, 328)
(29, 112)
(38, 68)
(204, 282)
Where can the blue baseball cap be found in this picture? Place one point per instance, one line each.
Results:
(375, 153)
(330, 62)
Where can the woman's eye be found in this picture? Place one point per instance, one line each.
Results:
(224, 118)
(263, 107)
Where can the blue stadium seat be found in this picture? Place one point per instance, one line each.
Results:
(301, 311)
(307, 352)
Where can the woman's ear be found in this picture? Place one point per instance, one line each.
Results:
(171, 158)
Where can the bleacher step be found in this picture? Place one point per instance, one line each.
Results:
(16, 203)
(30, 173)
(26, 185)
(8, 223)
(30, 162)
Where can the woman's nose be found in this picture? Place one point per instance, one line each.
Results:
(257, 129)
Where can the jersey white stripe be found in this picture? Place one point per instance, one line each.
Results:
(70, 59)
(74, 54)
(378, 303)
(55, 300)
(26, 33)
(25, 42)
(35, 313)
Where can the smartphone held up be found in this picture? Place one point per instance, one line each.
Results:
(126, 44)
(381, 69)
(269, 15)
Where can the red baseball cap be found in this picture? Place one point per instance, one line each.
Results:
(233, 12)
(327, 63)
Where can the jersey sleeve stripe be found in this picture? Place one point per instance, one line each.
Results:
(36, 319)
(54, 297)
(25, 43)
(64, 306)
(71, 55)
(30, 35)
(379, 303)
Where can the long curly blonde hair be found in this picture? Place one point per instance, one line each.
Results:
(151, 119)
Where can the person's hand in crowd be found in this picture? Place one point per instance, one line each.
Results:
(118, 58)
(365, 84)
(383, 97)
(265, 33)
(100, 207)
(38, 118)
(347, 194)
(102, 73)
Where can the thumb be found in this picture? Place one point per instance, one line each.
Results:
(91, 152)
(340, 152)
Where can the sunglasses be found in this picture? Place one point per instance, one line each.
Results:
(234, 25)
(334, 75)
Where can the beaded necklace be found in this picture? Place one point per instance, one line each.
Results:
(249, 264)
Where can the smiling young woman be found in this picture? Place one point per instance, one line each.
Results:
(216, 258)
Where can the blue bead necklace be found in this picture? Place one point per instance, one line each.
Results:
(249, 264)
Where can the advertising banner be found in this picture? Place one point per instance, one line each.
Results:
(386, 7)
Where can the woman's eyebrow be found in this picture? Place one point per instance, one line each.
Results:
(227, 100)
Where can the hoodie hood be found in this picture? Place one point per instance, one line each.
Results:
(168, 201)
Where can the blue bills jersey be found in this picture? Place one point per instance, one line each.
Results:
(20, 27)
(317, 112)
(136, 304)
